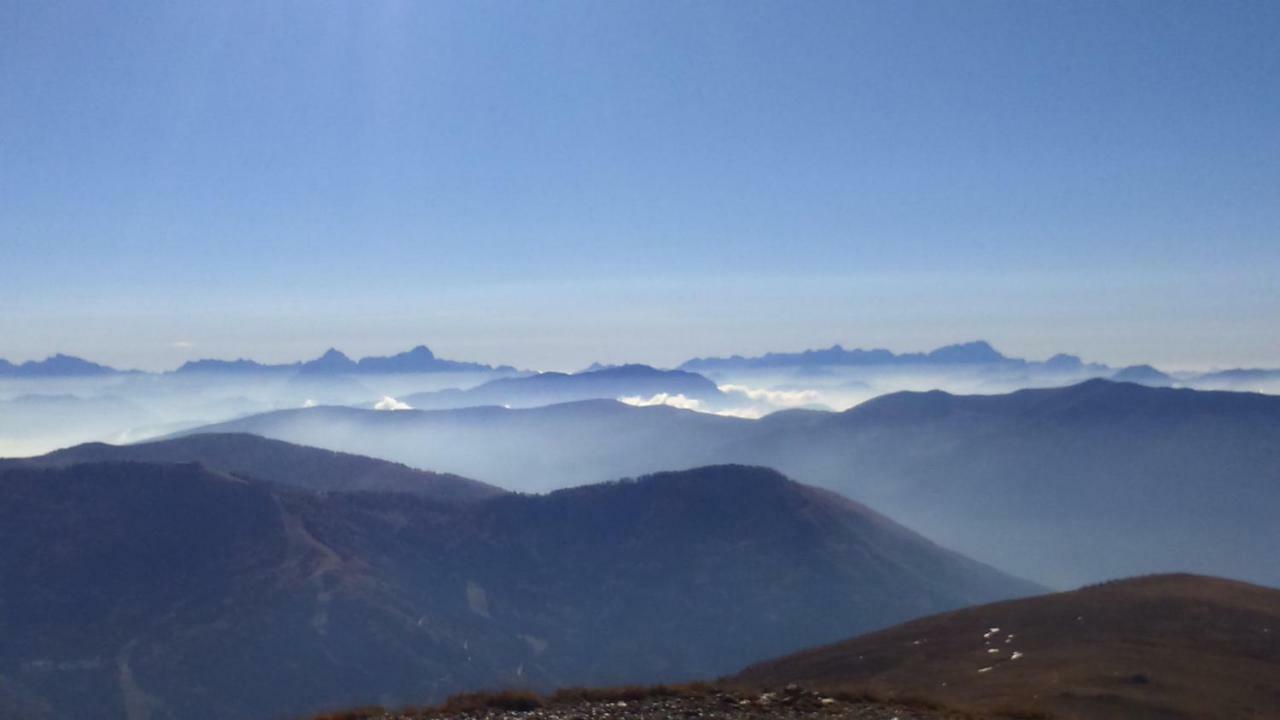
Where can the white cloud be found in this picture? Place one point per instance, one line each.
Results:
(745, 402)
(755, 403)
(678, 401)
(776, 398)
(308, 403)
(182, 344)
(390, 403)
(749, 413)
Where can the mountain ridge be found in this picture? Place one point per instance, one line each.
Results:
(242, 454)
(1190, 474)
(420, 359)
(212, 582)
(966, 353)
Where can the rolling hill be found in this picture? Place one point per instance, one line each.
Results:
(142, 590)
(1065, 485)
(276, 461)
(1168, 647)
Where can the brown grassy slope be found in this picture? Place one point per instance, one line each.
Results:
(1166, 646)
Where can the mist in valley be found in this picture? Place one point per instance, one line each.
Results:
(557, 360)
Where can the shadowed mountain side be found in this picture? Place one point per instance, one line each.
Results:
(762, 559)
(1065, 485)
(276, 461)
(104, 565)
(549, 388)
(1168, 647)
(175, 592)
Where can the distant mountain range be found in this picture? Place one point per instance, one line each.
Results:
(1178, 647)
(973, 355)
(548, 388)
(978, 356)
(418, 360)
(54, 366)
(978, 352)
(1063, 485)
(173, 591)
(333, 362)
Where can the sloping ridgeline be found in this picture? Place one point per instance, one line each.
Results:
(259, 458)
(135, 590)
(1064, 485)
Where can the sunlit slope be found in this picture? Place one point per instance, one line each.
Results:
(1172, 646)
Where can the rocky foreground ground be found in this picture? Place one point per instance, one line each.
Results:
(709, 704)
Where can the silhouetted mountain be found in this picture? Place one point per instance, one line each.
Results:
(276, 461)
(240, 365)
(966, 365)
(1143, 375)
(177, 592)
(1175, 647)
(332, 362)
(1064, 363)
(1063, 485)
(421, 359)
(55, 366)
(549, 388)
(978, 351)
(965, 353)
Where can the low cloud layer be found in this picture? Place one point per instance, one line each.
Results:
(390, 403)
(678, 400)
(688, 403)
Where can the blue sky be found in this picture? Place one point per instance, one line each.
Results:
(549, 184)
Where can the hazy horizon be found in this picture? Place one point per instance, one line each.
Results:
(191, 351)
(732, 188)
(556, 184)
